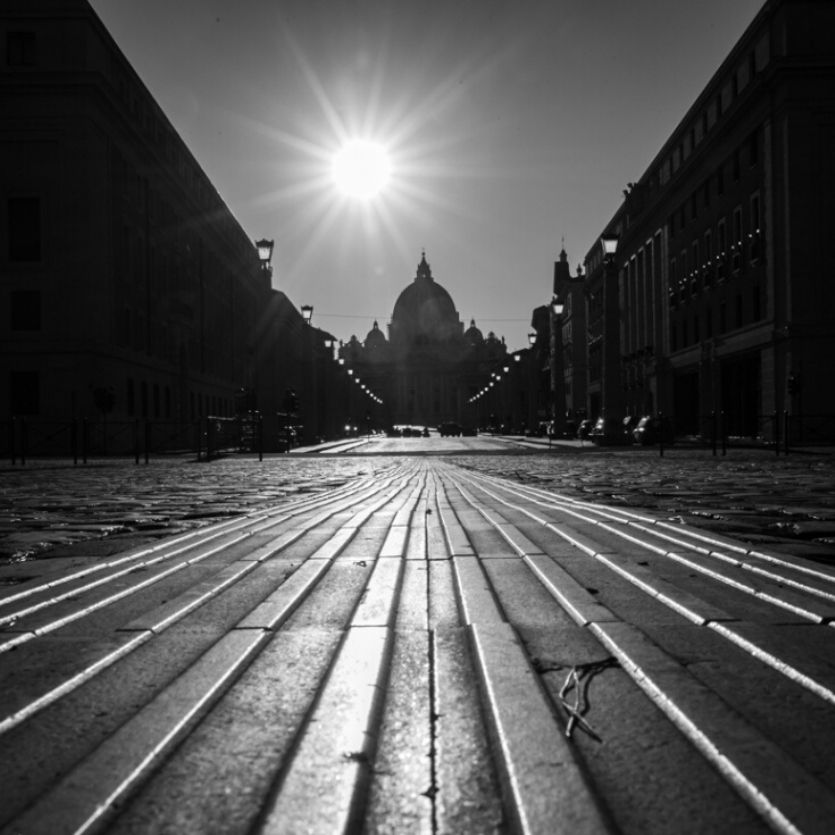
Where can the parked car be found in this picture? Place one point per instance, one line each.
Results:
(609, 432)
(652, 429)
(449, 429)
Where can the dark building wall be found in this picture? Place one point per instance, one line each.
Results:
(121, 267)
(723, 259)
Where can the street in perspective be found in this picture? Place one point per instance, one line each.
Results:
(417, 418)
(424, 634)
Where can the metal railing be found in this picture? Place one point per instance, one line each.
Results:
(81, 439)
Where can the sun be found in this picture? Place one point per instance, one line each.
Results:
(361, 169)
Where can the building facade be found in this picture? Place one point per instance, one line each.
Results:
(429, 368)
(724, 302)
(130, 289)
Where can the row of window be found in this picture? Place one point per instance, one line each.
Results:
(690, 330)
(752, 64)
(704, 263)
(141, 399)
(701, 197)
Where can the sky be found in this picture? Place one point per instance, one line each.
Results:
(512, 128)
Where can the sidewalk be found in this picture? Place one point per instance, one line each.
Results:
(422, 648)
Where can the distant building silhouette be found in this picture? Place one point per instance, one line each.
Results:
(430, 367)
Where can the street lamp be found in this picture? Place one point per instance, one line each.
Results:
(307, 313)
(532, 339)
(265, 253)
(610, 245)
(557, 370)
(611, 387)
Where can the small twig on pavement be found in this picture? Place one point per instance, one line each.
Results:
(578, 679)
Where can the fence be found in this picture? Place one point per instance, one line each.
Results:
(82, 439)
(779, 431)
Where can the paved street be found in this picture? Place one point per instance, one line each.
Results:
(500, 638)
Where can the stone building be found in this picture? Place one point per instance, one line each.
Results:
(429, 367)
(724, 301)
(130, 289)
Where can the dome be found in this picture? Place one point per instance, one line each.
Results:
(425, 309)
(375, 337)
(473, 335)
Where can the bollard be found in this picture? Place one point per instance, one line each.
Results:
(660, 434)
(786, 430)
(260, 437)
(776, 432)
(713, 430)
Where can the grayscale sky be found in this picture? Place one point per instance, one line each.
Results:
(511, 125)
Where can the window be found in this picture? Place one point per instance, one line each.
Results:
(736, 246)
(754, 237)
(24, 393)
(21, 49)
(708, 255)
(25, 310)
(753, 149)
(24, 229)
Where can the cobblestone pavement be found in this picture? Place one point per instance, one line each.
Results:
(52, 509)
(425, 648)
(785, 503)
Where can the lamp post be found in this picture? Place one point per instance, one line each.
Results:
(612, 387)
(557, 369)
(311, 406)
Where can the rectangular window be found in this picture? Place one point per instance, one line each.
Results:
(24, 228)
(736, 245)
(708, 256)
(24, 393)
(25, 310)
(21, 49)
(755, 237)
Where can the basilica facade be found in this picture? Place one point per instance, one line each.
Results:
(429, 367)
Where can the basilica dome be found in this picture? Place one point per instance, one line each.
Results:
(424, 311)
